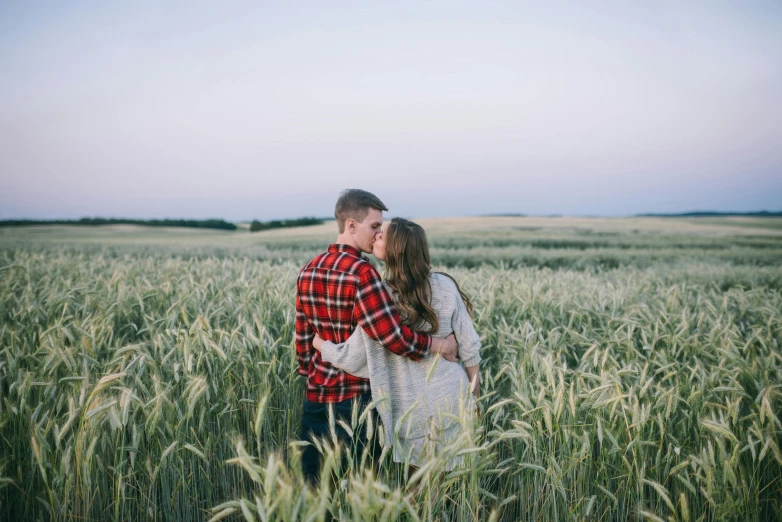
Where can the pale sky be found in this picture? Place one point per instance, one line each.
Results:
(266, 110)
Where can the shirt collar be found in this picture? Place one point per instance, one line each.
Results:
(336, 248)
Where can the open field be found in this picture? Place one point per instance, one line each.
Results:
(557, 243)
(632, 371)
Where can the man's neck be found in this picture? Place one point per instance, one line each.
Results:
(346, 239)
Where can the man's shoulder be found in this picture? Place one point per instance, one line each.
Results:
(358, 266)
(365, 268)
(313, 263)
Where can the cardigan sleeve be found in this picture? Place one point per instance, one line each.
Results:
(350, 356)
(463, 329)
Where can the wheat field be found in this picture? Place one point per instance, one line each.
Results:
(631, 370)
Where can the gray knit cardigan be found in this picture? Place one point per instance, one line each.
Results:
(412, 398)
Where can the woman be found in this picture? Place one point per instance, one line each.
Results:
(419, 403)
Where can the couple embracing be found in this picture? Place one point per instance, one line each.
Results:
(361, 339)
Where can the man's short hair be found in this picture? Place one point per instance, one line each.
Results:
(355, 204)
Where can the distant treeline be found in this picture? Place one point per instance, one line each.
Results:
(257, 226)
(762, 213)
(218, 224)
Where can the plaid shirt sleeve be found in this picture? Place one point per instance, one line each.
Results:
(304, 336)
(378, 317)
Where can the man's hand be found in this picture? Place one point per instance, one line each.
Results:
(446, 347)
(317, 342)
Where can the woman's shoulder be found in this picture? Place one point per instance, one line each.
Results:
(442, 283)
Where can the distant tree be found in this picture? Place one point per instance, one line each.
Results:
(218, 224)
(257, 226)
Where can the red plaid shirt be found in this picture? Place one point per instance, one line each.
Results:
(336, 292)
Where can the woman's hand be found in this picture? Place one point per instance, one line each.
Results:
(317, 342)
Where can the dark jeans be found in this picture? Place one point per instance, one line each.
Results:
(315, 425)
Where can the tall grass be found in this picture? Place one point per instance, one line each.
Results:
(149, 385)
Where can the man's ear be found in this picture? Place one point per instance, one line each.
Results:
(350, 225)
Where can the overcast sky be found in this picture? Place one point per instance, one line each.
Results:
(442, 108)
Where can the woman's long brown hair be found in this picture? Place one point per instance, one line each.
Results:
(408, 267)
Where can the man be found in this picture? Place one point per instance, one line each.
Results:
(337, 292)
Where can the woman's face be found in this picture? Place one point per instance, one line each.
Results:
(379, 246)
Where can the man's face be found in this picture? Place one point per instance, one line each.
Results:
(367, 231)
